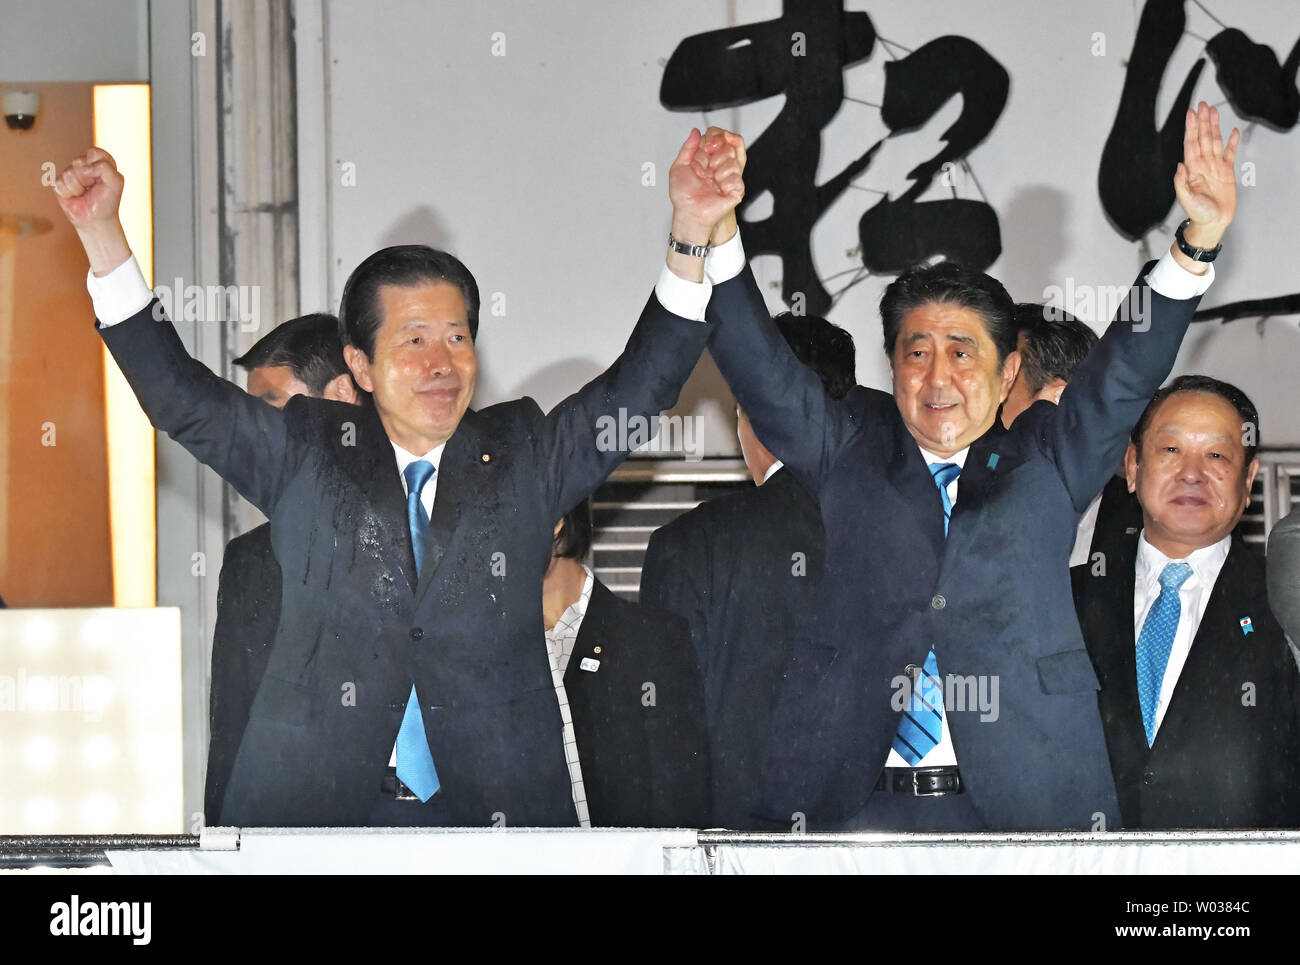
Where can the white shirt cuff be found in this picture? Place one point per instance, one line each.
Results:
(726, 261)
(687, 299)
(119, 294)
(1172, 280)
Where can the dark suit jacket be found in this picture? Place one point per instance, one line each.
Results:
(356, 626)
(1220, 760)
(644, 751)
(1118, 517)
(743, 569)
(248, 614)
(993, 598)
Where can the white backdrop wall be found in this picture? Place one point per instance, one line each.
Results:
(516, 134)
(104, 41)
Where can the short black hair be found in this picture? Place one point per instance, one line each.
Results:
(1056, 343)
(402, 266)
(1204, 383)
(949, 283)
(308, 345)
(574, 541)
(824, 347)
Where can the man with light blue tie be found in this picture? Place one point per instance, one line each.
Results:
(943, 683)
(412, 532)
(1199, 685)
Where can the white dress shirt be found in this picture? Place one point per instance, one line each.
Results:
(560, 640)
(1084, 531)
(1194, 595)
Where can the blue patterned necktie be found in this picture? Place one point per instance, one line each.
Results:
(1156, 640)
(922, 724)
(943, 474)
(921, 727)
(414, 760)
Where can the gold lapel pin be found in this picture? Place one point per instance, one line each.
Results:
(486, 457)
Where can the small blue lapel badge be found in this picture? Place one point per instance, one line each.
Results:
(1245, 626)
(589, 664)
(993, 460)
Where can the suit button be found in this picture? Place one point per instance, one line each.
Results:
(1148, 777)
(417, 633)
(937, 602)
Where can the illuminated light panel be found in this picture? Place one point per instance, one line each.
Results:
(90, 737)
(121, 127)
(98, 752)
(40, 753)
(37, 632)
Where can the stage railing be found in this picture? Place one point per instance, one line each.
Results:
(401, 850)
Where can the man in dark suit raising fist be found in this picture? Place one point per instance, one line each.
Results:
(412, 533)
(945, 684)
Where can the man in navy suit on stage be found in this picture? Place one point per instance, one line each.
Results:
(412, 533)
(944, 683)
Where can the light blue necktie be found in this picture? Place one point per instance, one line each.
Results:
(1156, 640)
(943, 474)
(921, 727)
(414, 759)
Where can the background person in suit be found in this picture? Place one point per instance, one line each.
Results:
(1052, 345)
(1198, 688)
(404, 616)
(743, 569)
(936, 588)
(629, 694)
(1284, 574)
(302, 356)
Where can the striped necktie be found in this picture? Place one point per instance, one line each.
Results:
(921, 727)
(414, 759)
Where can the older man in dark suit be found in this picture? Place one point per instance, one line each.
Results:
(412, 534)
(1199, 687)
(945, 684)
(744, 570)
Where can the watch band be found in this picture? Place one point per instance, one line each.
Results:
(1205, 255)
(682, 248)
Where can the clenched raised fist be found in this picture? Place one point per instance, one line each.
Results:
(90, 188)
(89, 192)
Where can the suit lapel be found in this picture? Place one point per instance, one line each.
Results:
(1117, 663)
(591, 634)
(457, 473)
(906, 471)
(370, 461)
(1218, 631)
(983, 465)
